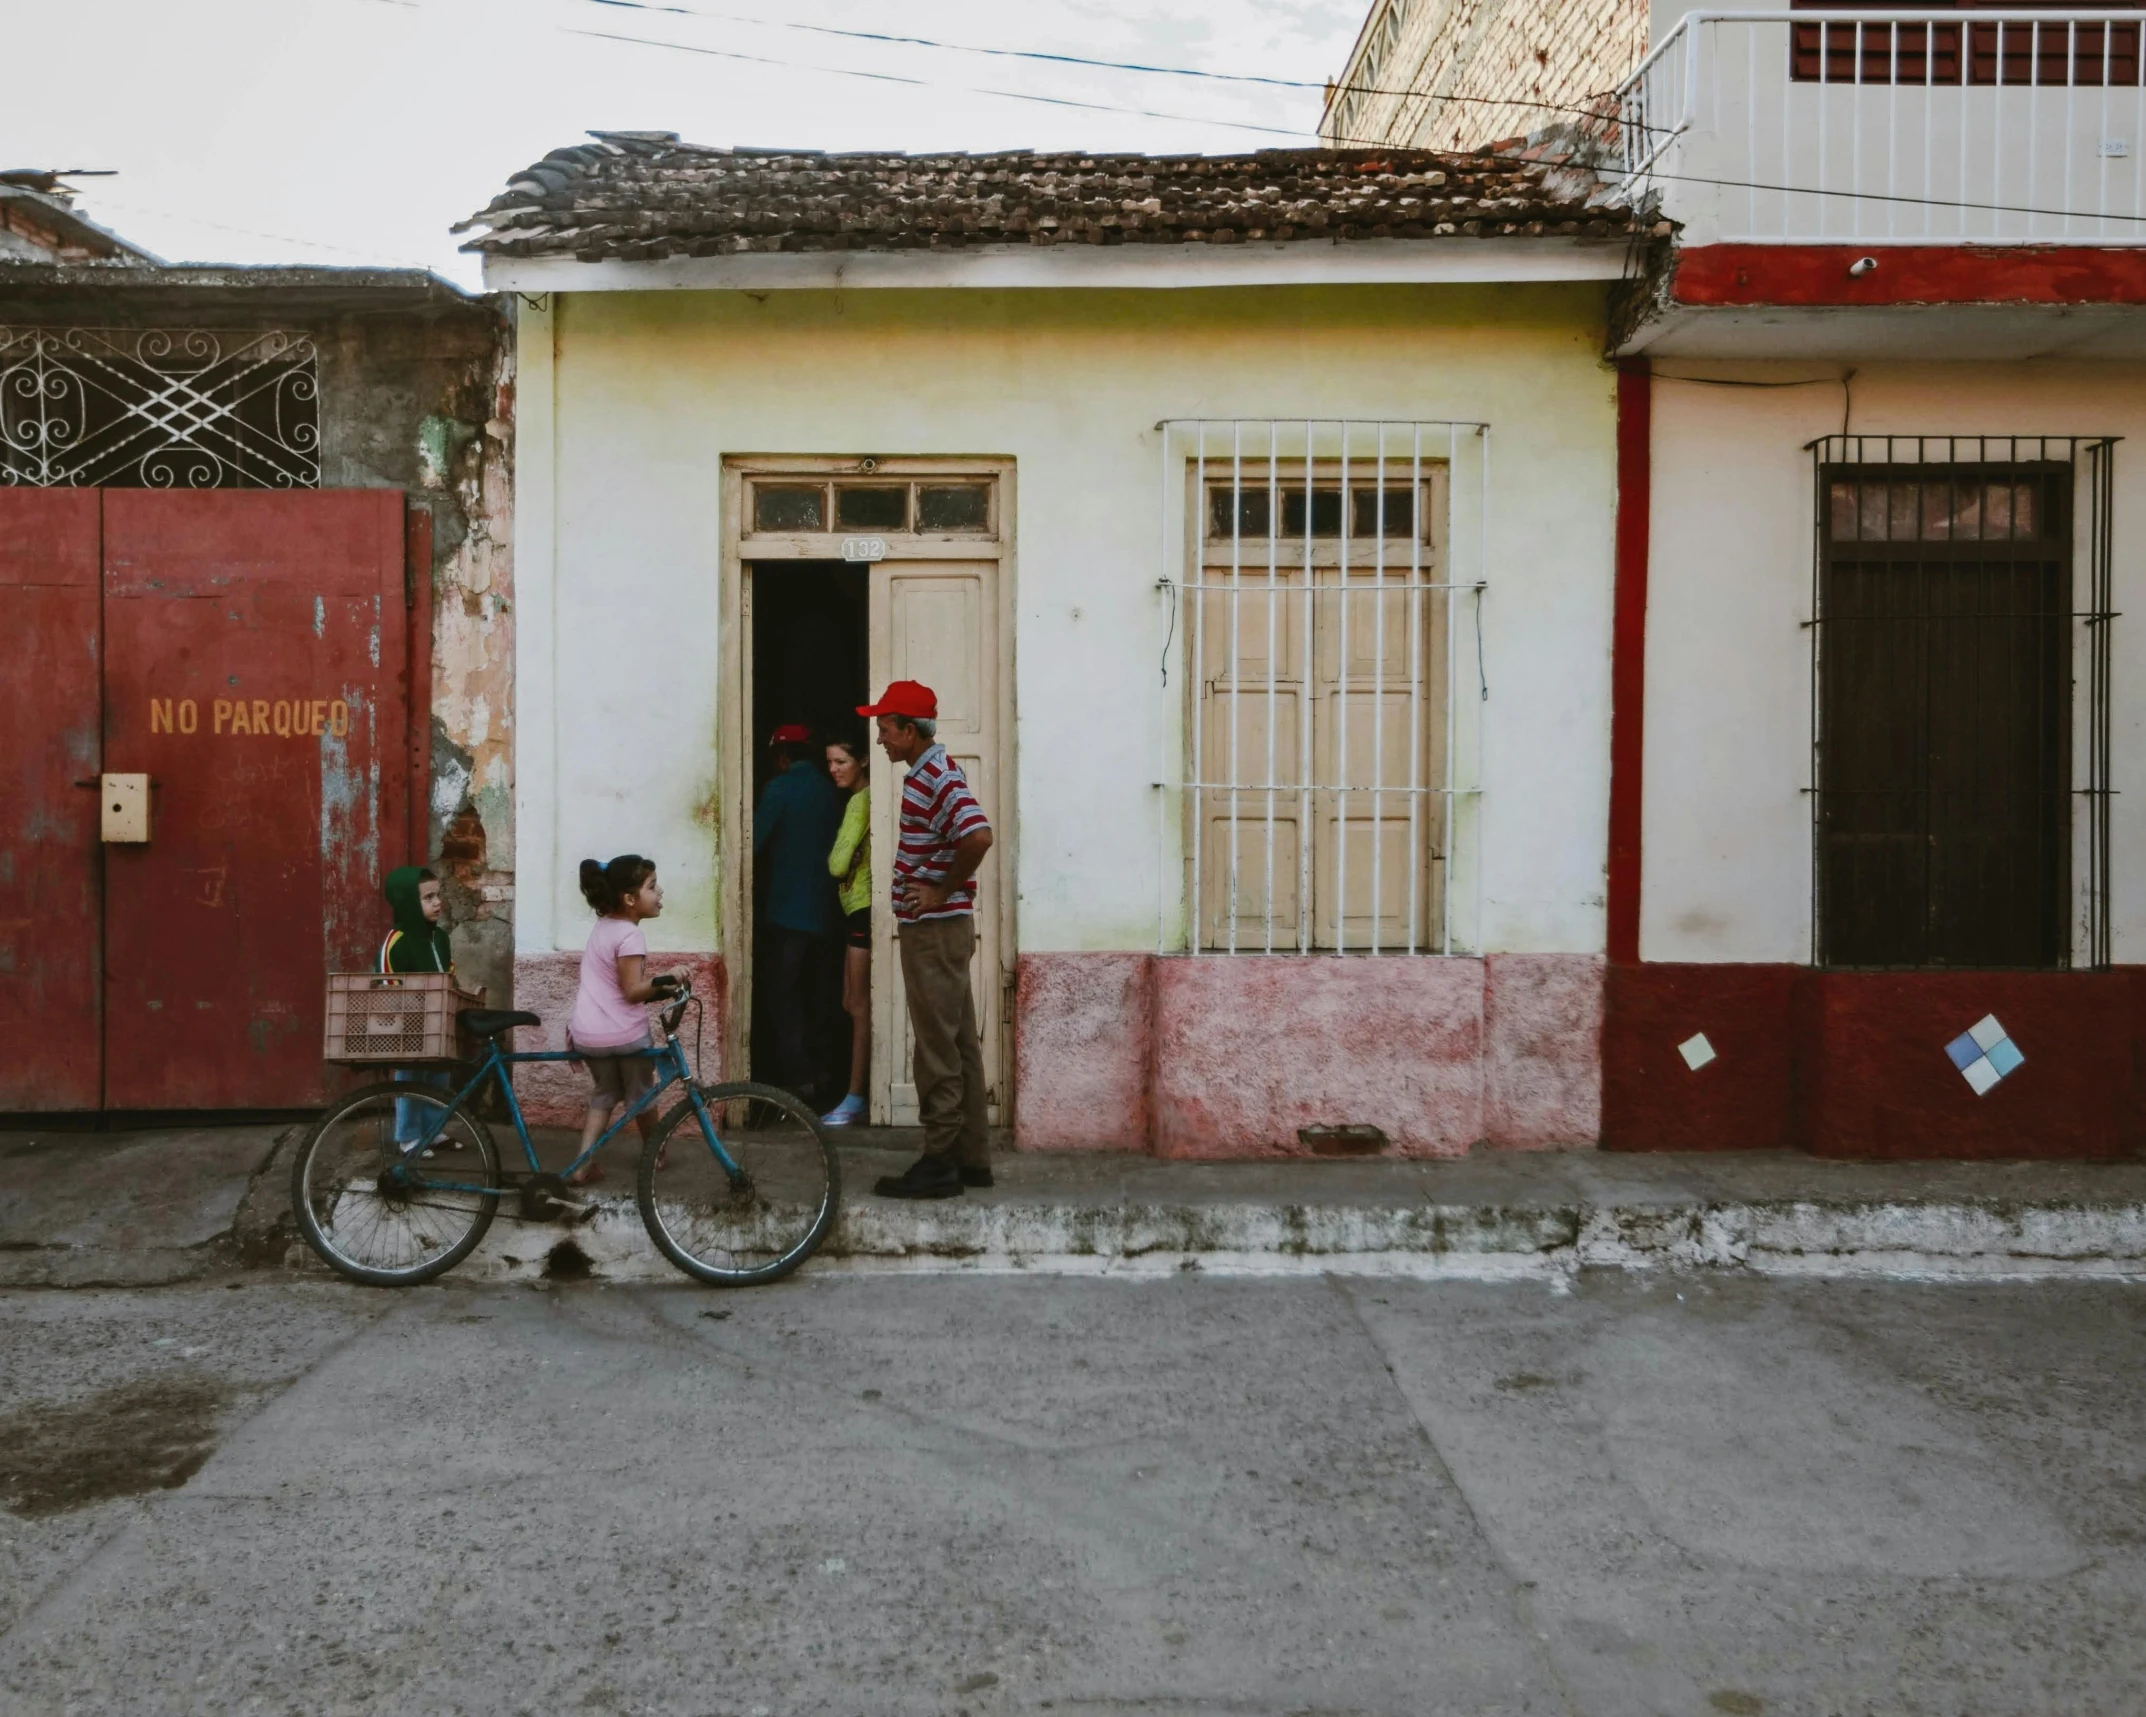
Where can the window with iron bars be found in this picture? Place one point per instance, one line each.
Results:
(1960, 716)
(1327, 773)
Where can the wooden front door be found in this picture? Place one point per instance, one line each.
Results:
(937, 622)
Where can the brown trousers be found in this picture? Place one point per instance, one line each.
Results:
(942, 1019)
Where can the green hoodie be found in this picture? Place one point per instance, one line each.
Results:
(414, 945)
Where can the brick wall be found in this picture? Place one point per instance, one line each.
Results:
(1465, 68)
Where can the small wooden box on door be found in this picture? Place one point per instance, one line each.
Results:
(247, 651)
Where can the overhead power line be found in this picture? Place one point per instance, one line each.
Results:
(965, 47)
(1873, 197)
(253, 232)
(883, 37)
(886, 38)
(927, 83)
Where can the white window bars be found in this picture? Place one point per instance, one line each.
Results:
(1323, 585)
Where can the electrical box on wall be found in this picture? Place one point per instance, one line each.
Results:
(125, 807)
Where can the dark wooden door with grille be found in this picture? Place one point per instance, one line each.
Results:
(1944, 717)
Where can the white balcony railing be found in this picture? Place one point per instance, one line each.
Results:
(1896, 127)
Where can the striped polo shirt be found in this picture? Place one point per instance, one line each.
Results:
(938, 811)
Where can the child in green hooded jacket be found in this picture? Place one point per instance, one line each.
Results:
(417, 943)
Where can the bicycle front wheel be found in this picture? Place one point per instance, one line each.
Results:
(383, 1216)
(759, 1222)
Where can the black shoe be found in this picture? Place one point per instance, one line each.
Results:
(929, 1176)
(976, 1177)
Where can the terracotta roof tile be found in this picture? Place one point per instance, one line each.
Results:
(644, 196)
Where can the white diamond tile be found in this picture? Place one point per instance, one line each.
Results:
(1986, 1032)
(1697, 1052)
(1981, 1075)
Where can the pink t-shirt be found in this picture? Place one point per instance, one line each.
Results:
(603, 1018)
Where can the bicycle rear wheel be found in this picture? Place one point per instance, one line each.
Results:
(756, 1225)
(380, 1216)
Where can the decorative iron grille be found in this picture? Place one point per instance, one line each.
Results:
(1960, 721)
(158, 408)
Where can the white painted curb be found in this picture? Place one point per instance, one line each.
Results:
(1954, 1241)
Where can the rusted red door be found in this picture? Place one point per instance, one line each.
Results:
(50, 1032)
(254, 645)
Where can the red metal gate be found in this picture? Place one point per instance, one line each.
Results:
(251, 648)
(51, 1015)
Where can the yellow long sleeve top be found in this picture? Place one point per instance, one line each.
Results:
(849, 860)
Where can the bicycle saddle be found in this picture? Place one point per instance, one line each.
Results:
(490, 1022)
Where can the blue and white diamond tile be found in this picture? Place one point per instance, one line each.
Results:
(1984, 1054)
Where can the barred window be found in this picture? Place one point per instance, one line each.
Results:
(1320, 625)
(1961, 686)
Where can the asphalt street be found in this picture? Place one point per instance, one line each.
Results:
(993, 1495)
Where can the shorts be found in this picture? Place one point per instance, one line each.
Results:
(620, 1076)
(857, 928)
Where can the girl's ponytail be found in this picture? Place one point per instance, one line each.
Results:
(605, 886)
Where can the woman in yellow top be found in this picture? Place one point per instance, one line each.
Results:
(849, 862)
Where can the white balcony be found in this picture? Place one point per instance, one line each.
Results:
(1900, 127)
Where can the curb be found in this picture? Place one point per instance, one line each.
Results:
(1950, 1241)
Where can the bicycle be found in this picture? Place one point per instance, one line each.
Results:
(750, 1208)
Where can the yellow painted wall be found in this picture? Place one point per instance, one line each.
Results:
(649, 391)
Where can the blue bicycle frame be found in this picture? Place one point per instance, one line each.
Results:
(671, 1068)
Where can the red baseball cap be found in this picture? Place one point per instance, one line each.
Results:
(905, 697)
(791, 733)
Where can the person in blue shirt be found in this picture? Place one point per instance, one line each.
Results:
(794, 826)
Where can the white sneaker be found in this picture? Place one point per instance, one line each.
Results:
(845, 1113)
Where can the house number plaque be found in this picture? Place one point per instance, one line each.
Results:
(864, 548)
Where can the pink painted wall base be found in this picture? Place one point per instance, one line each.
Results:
(555, 1093)
(1227, 1058)
(1082, 1024)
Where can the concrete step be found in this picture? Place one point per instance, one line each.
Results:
(1488, 1216)
(140, 1208)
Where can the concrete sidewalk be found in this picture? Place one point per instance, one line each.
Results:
(166, 1206)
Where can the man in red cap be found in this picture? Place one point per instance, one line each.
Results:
(793, 827)
(944, 836)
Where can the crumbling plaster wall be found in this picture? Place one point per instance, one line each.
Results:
(1462, 69)
(427, 406)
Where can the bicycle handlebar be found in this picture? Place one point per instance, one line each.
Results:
(674, 1009)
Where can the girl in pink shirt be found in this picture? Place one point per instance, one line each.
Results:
(608, 1018)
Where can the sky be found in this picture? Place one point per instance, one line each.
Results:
(359, 131)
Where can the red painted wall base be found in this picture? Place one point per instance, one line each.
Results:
(1853, 1064)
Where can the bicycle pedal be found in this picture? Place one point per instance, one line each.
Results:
(545, 1198)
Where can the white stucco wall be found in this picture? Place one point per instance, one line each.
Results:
(1726, 867)
(643, 394)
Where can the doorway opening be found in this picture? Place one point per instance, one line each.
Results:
(810, 643)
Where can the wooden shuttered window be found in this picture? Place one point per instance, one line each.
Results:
(1321, 708)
